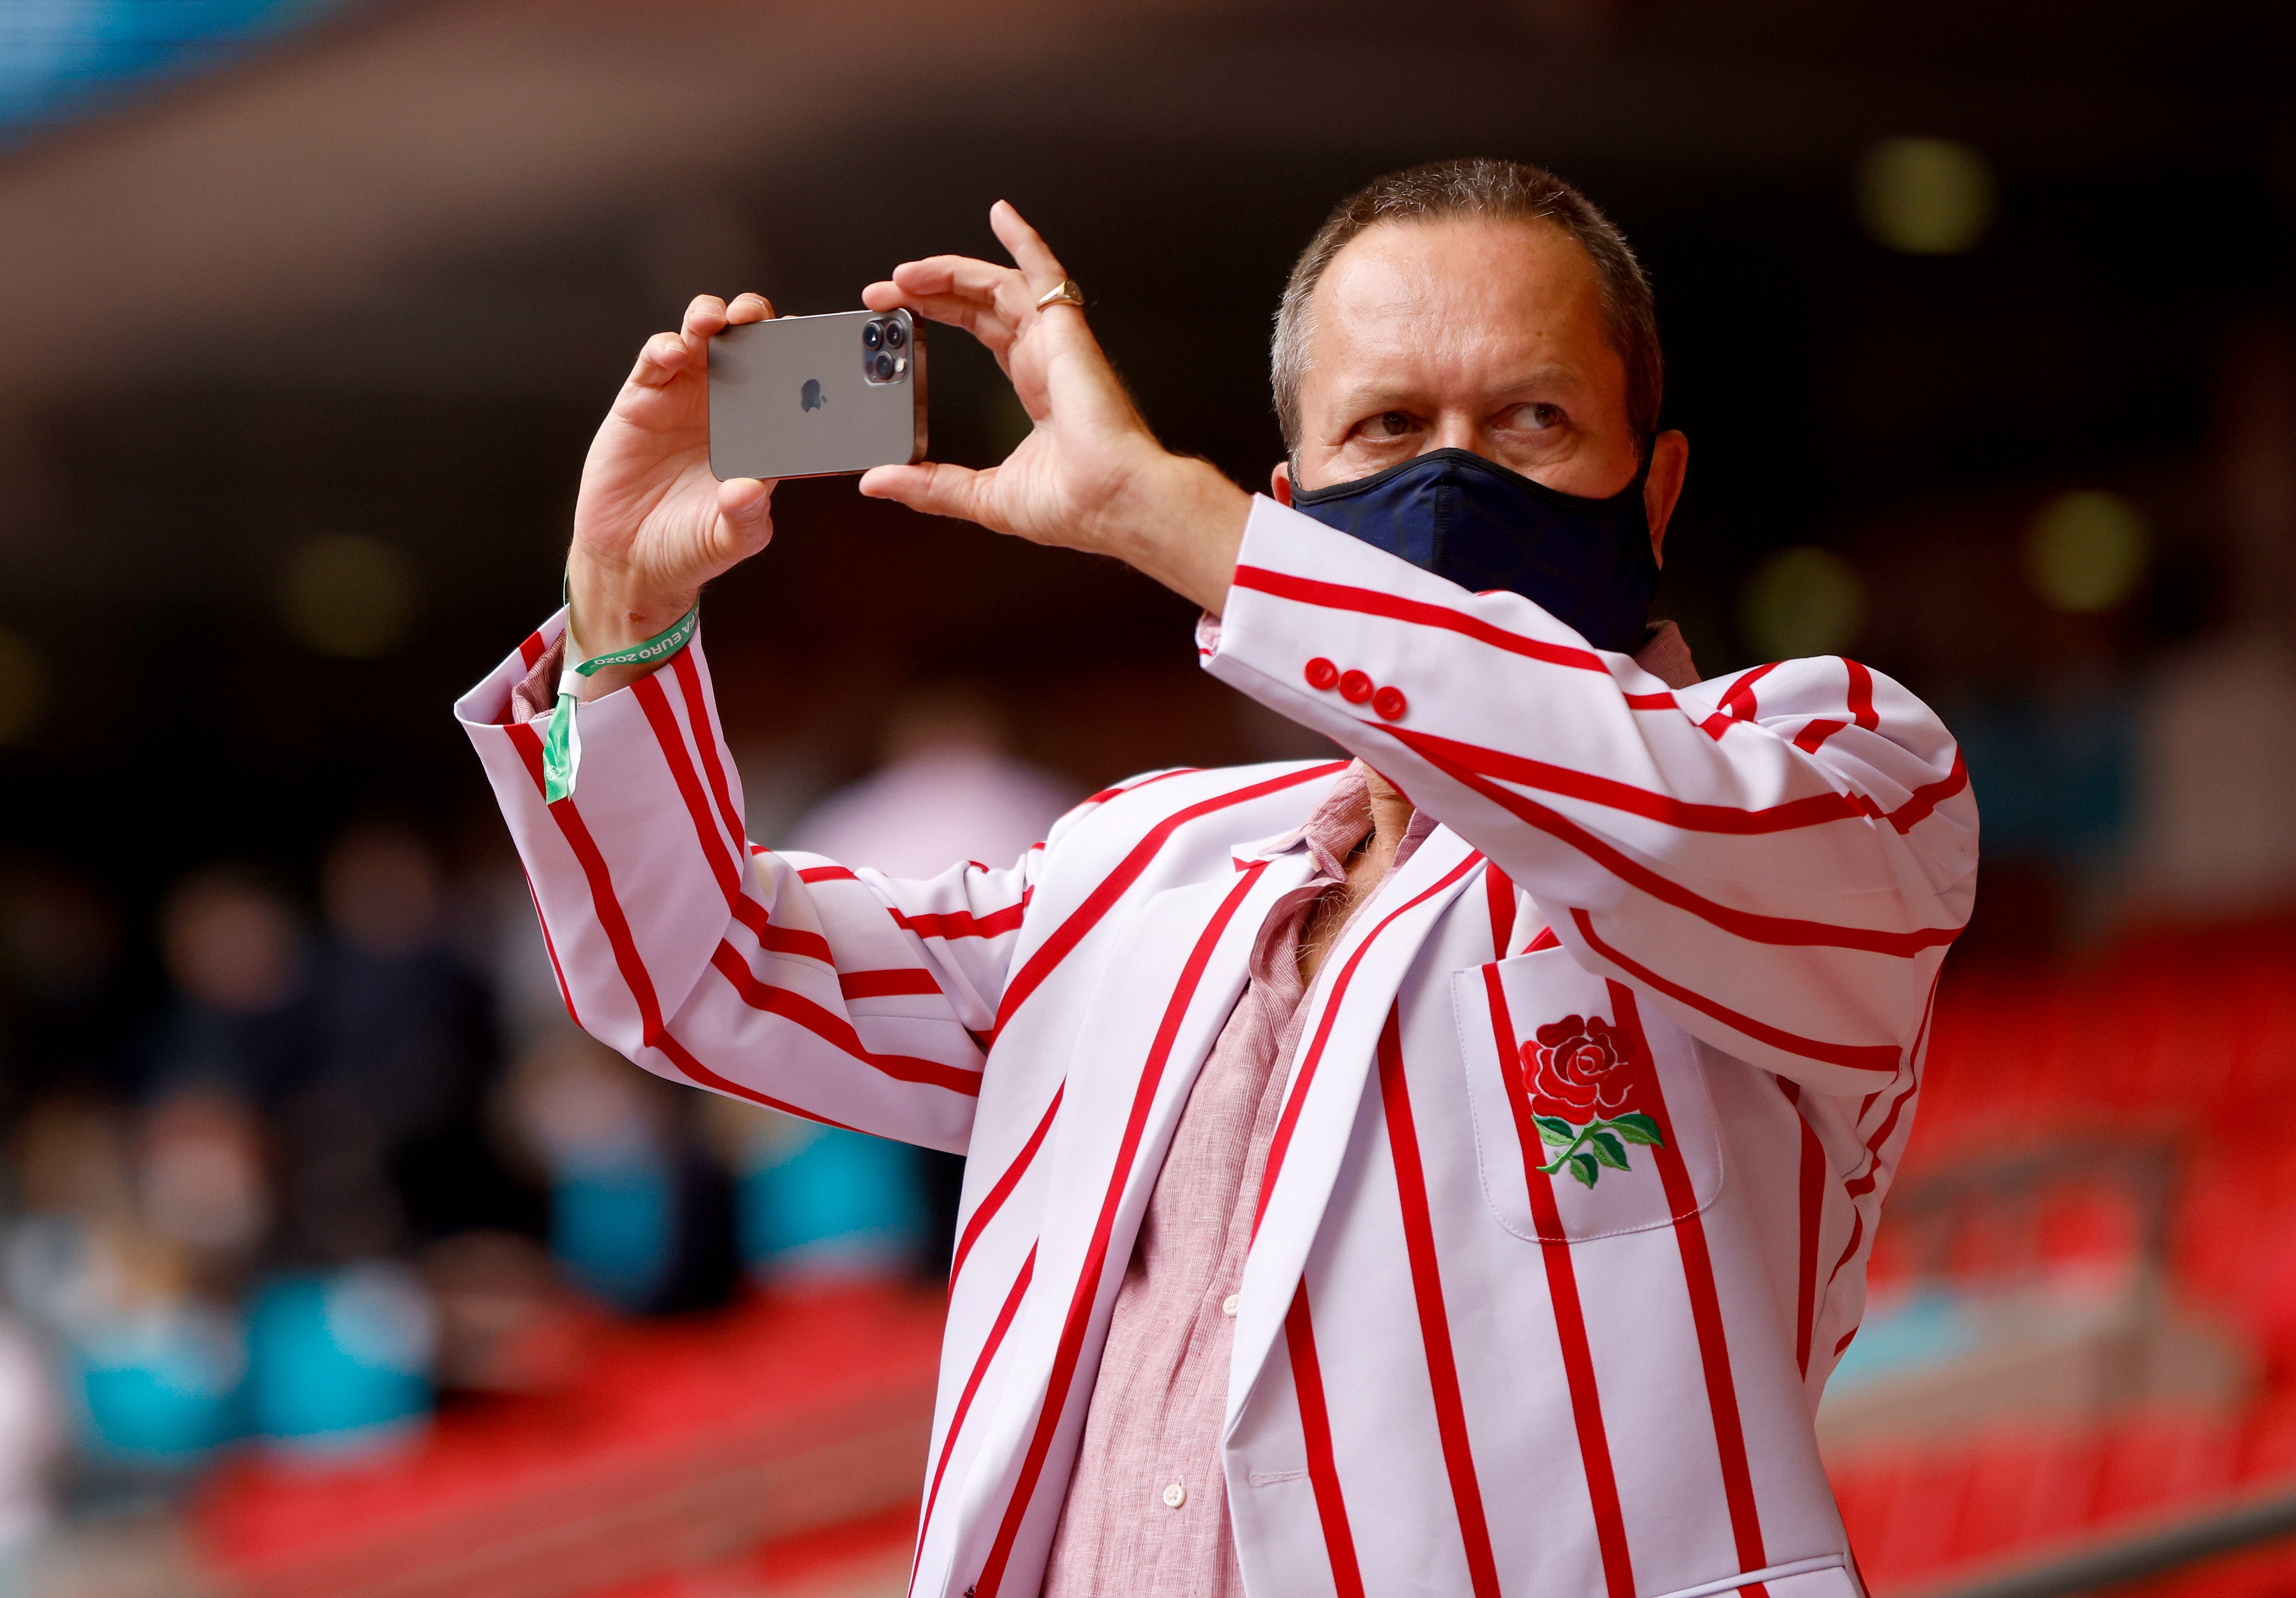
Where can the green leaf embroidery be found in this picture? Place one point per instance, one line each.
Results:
(1583, 1167)
(1608, 1149)
(1636, 1126)
(1554, 1129)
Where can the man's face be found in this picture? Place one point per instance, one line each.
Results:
(1473, 334)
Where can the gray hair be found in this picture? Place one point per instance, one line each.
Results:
(1502, 191)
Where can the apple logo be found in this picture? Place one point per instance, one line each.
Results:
(811, 398)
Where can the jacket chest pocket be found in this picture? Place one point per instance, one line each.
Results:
(1590, 1119)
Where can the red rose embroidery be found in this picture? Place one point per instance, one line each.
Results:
(1579, 1068)
(1582, 1077)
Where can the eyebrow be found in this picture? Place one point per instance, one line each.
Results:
(1549, 377)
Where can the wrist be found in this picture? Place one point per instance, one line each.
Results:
(607, 611)
(591, 672)
(603, 627)
(1194, 526)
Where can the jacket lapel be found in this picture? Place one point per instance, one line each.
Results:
(1349, 1005)
(1167, 991)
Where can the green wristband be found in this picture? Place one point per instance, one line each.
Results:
(561, 745)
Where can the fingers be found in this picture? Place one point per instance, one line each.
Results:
(992, 303)
(984, 325)
(1028, 247)
(955, 275)
(666, 354)
(746, 507)
(705, 317)
(989, 301)
(663, 359)
(933, 487)
(962, 277)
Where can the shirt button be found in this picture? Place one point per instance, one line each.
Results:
(1175, 1495)
(1228, 1305)
(1322, 674)
(1390, 703)
(1355, 687)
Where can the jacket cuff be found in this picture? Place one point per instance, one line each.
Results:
(496, 700)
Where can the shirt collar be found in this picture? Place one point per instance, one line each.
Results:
(1337, 824)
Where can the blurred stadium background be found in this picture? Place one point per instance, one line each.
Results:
(335, 1261)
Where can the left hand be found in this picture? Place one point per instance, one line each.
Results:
(1089, 475)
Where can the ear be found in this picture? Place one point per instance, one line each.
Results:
(1669, 464)
(1279, 482)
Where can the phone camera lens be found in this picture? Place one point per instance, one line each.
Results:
(896, 335)
(884, 364)
(872, 334)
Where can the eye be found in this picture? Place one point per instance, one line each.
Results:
(1537, 417)
(1391, 424)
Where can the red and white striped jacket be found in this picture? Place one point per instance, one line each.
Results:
(1566, 1217)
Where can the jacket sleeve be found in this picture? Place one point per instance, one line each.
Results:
(786, 980)
(1777, 859)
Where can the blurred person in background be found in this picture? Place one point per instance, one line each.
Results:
(1346, 1207)
(235, 1051)
(311, 1111)
(640, 1214)
(820, 1206)
(147, 1221)
(240, 1019)
(202, 1180)
(123, 1261)
(948, 788)
(408, 1053)
(506, 1322)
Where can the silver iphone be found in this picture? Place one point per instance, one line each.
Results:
(816, 395)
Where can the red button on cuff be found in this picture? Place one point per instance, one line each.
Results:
(1390, 703)
(1355, 687)
(1322, 674)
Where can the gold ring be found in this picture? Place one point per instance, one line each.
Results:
(1063, 292)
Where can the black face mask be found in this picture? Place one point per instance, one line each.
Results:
(1586, 562)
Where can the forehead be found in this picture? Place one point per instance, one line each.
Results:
(1468, 288)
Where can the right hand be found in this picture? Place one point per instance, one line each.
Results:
(651, 524)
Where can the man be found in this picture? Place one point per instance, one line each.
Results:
(1450, 1172)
